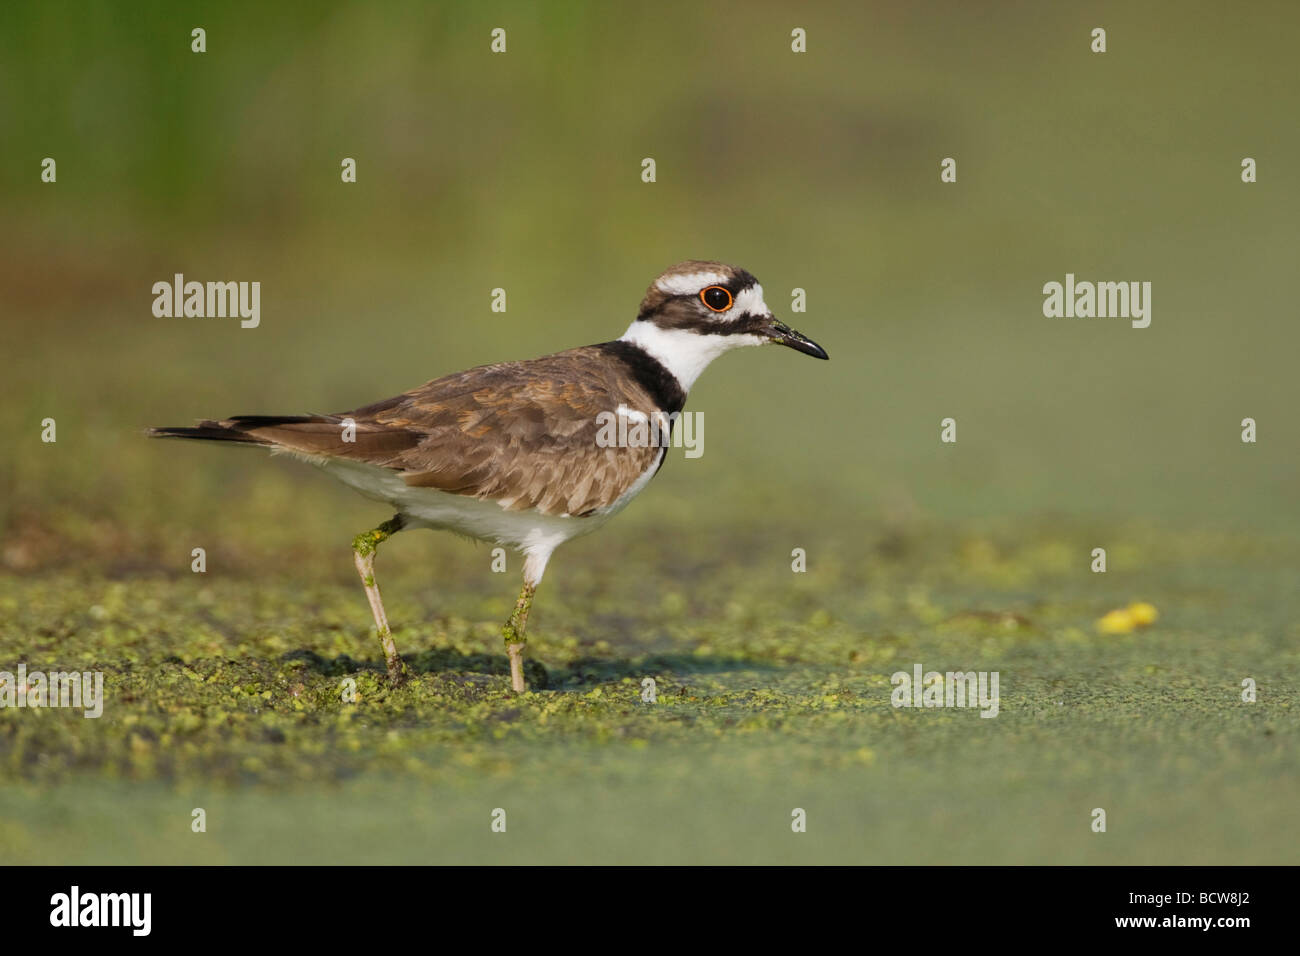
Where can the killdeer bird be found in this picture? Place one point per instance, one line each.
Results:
(511, 453)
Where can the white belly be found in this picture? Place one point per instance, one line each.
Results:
(485, 520)
(531, 532)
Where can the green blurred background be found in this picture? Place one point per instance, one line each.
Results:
(818, 171)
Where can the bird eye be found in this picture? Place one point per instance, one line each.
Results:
(716, 298)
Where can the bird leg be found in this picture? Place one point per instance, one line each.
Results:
(364, 547)
(515, 639)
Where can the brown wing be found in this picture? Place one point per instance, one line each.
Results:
(522, 433)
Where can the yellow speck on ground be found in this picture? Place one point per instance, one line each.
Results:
(1142, 613)
(1116, 622)
(1124, 620)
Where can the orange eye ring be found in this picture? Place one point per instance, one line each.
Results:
(704, 297)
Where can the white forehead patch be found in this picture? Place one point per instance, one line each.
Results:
(749, 302)
(689, 283)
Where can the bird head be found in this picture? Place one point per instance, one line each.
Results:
(697, 310)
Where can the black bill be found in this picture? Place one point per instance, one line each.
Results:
(782, 334)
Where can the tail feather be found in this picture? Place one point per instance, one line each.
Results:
(207, 431)
(237, 428)
(373, 442)
(267, 421)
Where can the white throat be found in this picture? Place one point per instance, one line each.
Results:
(684, 353)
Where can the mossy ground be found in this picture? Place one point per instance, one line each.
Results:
(773, 692)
